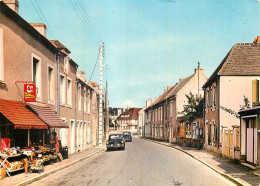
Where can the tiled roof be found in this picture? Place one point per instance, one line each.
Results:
(132, 112)
(58, 45)
(162, 97)
(178, 86)
(242, 59)
(20, 115)
(81, 76)
(48, 116)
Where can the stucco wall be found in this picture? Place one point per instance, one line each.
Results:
(232, 89)
(18, 48)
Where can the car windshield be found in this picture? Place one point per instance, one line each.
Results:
(127, 134)
(115, 136)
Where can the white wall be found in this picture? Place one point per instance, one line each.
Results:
(232, 89)
(191, 86)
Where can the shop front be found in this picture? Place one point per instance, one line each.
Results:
(28, 138)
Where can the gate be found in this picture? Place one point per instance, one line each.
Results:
(228, 144)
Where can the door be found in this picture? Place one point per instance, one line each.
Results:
(72, 137)
(250, 146)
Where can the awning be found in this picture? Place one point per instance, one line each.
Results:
(48, 116)
(20, 115)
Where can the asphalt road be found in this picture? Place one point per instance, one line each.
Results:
(142, 163)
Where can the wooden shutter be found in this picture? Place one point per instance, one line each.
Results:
(255, 91)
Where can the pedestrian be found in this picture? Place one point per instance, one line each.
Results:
(57, 145)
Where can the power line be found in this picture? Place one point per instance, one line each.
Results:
(45, 19)
(95, 65)
(82, 20)
(88, 17)
(41, 17)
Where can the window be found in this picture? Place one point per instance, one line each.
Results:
(88, 103)
(51, 85)
(66, 64)
(255, 91)
(62, 89)
(209, 134)
(85, 100)
(1, 56)
(69, 92)
(36, 75)
(171, 104)
(79, 97)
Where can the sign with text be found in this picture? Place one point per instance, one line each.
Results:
(188, 130)
(29, 92)
(196, 130)
(182, 130)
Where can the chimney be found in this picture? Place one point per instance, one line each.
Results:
(13, 4)
(40, 27)
(257, 39)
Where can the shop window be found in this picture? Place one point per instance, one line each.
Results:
(69, 92)
(36, 75)
(62, 89)
(1, 56)
(51, 85)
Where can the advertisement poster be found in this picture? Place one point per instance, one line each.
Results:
(188, 130)
(182, 130)
(29, 92)
(195, 128)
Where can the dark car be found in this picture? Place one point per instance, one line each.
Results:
(127, 136)
(116, 141)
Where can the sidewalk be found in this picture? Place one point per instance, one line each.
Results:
(24, 179)
(235, 172)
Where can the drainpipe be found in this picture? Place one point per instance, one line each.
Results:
(204, 124)
(58, 83)
(76, 94)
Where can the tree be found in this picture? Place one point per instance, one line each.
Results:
(193, 110)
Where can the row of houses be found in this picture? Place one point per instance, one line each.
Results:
(65, 99)
(230, 122)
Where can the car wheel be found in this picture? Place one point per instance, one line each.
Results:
(108, 149)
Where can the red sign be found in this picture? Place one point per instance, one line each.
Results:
(29, 92)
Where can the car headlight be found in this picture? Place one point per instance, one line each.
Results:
(107, 143)
(123, 141)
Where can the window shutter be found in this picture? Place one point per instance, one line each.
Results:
(255, 91)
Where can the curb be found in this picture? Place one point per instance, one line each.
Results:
(227, 176)
(58, 169)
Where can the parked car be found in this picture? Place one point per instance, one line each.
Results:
(127, 136)
(116, 141)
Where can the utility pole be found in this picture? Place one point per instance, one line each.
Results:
(198, 79)
(198, 129)
(100, 120)
(107, 115)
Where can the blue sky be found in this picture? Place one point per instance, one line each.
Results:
(149, 44)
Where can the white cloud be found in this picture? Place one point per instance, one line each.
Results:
(128, 103)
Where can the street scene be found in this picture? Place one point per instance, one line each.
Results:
(129, 92)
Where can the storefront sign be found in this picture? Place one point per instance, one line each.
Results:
(182, 130)
(188, 130)
(196, 130)
(29, 92)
